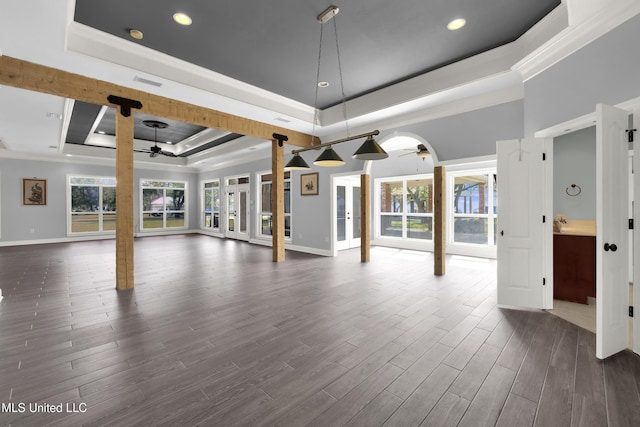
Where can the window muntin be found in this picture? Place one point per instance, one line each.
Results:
(406, 207)
(266, 215)
(92, 204)
(474, 201)
(163, 204)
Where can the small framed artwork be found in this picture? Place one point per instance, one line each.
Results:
(309, 184)
(34, 192)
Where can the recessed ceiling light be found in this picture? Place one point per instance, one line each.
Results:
(182, 18)
(323, 84)
(101, 132)
(456, 24)
(169, 142)
(136, 34)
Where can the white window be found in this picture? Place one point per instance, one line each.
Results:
(211, 205)
(92, 204)
(163, 204)
(265, 214)
(473, 197)
(405, 207)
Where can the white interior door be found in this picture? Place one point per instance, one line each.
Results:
(525, 223)
(612, 200)
(238, 212)
(636, 234)
(347, 214)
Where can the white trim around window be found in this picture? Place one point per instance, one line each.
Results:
(91, 205)
(406, 220)
(471, 223)
(210, 206)
(163, 205)
(263, 214)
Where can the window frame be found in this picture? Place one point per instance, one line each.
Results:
(203, 207)
(260, 213)
(100, 211)
(488, 249)
(184, 211)
(402, 241)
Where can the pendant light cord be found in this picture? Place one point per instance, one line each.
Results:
(344, 98)
(315, 101)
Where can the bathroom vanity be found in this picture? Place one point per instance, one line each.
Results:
(574, 261)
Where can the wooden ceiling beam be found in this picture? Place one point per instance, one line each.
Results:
(27, 75)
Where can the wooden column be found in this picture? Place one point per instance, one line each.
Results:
(365, 218)
(277, 199)
(439, 220)
(124, 201)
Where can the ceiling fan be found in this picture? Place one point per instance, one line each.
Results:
(421, 150)
(155, 150)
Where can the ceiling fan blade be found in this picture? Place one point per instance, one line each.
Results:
(406, 154)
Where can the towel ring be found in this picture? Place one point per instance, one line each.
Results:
(574, 191)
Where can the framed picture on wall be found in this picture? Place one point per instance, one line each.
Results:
(34, 192)
(309, 184)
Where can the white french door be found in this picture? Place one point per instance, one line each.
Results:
(525, 223)
(237, 224)
(347, 212)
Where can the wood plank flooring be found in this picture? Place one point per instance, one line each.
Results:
(215, 334)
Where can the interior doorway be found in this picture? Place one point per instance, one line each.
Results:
(237, 206)
(347, 212)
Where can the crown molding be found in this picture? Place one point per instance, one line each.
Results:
(575, 37)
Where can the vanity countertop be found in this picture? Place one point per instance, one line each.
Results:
(577, 227)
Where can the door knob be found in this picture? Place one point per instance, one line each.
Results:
(611, 247)
(502, 232)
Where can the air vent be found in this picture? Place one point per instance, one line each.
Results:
(146, 81)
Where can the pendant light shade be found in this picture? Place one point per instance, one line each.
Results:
(329, 158)
(297, 163)
(370, 150)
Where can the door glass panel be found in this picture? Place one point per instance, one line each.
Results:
(242, 219)
(356, 213)
(341, 224)
(232, 211)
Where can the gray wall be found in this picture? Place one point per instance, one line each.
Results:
(604, 71)
(574, 162)
(473, 133)
(50, 222)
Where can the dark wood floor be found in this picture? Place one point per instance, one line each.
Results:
(216, 334)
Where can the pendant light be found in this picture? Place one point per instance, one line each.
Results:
(297, 163)
(369, 150)
(329, 158)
